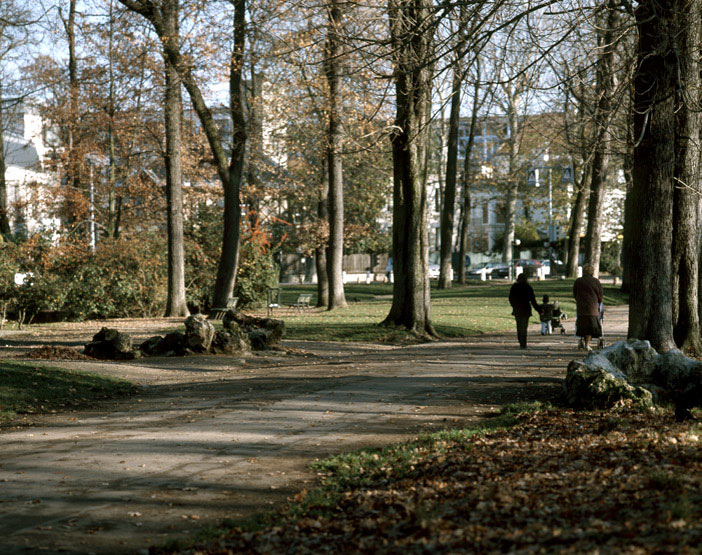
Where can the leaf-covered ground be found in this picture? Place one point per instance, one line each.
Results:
(559, 481)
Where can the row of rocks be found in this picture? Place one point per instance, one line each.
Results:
(632, 371)
(239, 334)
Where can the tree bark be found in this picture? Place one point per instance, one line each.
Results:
(513, 183)
(412, 42)
(5, 228)
(176, 304)
(321, 251)
(335, 252)
(686, 197)
(448, 207)
(651, 303)
(230, 175)
(466, 179)
(576, 225)
(605, 90)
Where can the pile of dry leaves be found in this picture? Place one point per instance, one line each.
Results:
(558, 481)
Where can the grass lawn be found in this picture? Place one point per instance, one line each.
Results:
(463, 310)
(32, 389)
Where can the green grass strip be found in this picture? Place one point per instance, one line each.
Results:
(27, 388)
(461, 311)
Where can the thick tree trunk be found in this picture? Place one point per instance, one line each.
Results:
(577, 218)
(411, 36)
(448, 207)
(686, 198)
(605, 90)
(176, 304)
(335, 253)
(650, 305)
(5, 229)
(321, 251)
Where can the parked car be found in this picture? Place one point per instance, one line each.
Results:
(529, 266)
(485, 267)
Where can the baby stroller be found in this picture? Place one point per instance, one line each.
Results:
(551, 317)
(557, 318)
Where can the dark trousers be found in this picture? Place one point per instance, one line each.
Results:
(522, 323)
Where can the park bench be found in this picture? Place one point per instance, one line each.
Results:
(302, 302)
(218, 313)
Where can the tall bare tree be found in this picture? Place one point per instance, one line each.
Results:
(652, 208)
(335, 252)
(229, 168)
(411, 36)
(607, 38)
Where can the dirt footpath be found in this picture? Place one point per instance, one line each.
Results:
(224, 437)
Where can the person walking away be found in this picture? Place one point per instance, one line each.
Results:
(546, 315)
(588, 294)
(522, 298)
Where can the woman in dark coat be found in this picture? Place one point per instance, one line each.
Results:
(522, 298)
(588, 294)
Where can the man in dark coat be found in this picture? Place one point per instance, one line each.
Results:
(588, 294)
(522, 298)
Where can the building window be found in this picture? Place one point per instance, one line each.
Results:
(486, 213)
(500, 213)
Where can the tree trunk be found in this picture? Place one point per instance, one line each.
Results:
(466, 179)
(176, 304)
(231, 177)
(448, 207)
(650, 305)
(412, 41)
(111, 109)
(599, 167)
(513, 183)
(628, 173)
(576, 225)
(229, 172)
(321, 251)
(335, 253)
(686, 197)
(5, 229)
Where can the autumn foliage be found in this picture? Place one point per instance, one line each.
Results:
(560, 481)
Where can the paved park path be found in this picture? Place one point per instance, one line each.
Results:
(224, 437)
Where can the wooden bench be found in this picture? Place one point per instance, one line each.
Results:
(302, 302)
(218, 313)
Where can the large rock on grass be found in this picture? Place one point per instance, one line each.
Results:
(199, 333)
(230, 342)
(264, 333)
(596, 386)
(172, 344)
(632, 371)
(110, 344)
